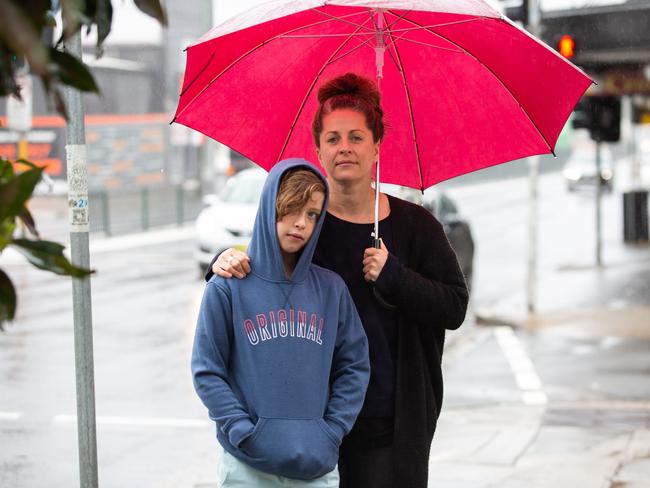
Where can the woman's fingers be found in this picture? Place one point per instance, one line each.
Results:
(232, 262)
(246, 264)
(373, 262)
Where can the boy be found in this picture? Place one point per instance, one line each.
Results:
(280, 358)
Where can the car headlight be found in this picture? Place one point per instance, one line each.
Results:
(572, 174)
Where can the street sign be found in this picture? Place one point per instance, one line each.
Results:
(19, 112)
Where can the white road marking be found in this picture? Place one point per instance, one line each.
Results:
(522, 367)
(139, 421)
(10, 415)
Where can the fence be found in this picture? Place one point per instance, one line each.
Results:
(121, 212)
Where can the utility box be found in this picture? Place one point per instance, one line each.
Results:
(635, 216)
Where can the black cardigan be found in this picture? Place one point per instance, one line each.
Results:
(431, 296)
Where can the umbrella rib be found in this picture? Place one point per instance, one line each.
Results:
(332, 61)
(252, 50)
(431, 26)
(402, 38)
(410, 107)
(341, 19)
(495, 76)
(197, 76)
(399, 17)
(350, 51)
(308, 92)
(318, 36)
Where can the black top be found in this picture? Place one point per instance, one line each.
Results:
(340, 248)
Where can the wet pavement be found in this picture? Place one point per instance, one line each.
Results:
(558, 398)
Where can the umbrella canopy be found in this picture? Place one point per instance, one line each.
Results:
(462, 86)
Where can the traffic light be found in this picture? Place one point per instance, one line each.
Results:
(566, 46)
(601, 115)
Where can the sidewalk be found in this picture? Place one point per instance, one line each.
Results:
(597, 441)
(611, 300)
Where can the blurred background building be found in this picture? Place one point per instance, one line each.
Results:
(159, 171)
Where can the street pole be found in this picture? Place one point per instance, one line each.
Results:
(81, 298)
(599, 193)
(533, 184)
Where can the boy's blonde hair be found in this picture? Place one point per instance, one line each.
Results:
(296, 188)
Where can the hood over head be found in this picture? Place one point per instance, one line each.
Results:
(264, 249)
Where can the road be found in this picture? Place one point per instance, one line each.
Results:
(153, 431)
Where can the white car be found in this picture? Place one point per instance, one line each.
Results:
(580, 168)
(456, 228)
(228, 220)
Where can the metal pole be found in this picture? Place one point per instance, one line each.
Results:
(533, 198)
(81, 298)
(533, 183)
(599, 193)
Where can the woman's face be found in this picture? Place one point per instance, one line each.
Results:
(347, 150)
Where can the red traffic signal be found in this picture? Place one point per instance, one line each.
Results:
(566, 46)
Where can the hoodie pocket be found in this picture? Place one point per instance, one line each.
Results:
(295, 448)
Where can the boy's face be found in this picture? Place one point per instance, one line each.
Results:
(295, 229)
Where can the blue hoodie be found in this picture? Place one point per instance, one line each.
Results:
(281, 364)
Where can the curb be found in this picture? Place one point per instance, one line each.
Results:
(490, 317)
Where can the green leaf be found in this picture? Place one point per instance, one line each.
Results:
(7, 228)
(27, 163)
(17, 191)
(72, 15)
(153, 8)
(26, 218)
(90, 8)
(71, 71)
(50, 19)
(7, 299)
(56, 97)
(6, 170)
(103, 19)
(49, 256)
(21, 35)
(8, 85)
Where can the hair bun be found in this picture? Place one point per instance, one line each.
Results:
(352, 85)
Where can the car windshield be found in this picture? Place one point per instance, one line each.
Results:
(244, 189)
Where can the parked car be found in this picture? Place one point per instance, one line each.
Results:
(456, 228)
(580, 168)
(228, 219)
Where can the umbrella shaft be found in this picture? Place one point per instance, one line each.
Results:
(380, 47)
(376, 233)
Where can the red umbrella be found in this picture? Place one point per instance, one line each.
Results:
(462, 86)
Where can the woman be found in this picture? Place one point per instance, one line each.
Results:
(407, 292)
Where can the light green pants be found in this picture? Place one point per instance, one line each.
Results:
(235, 474)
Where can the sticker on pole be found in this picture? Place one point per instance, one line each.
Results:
(77, 188)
